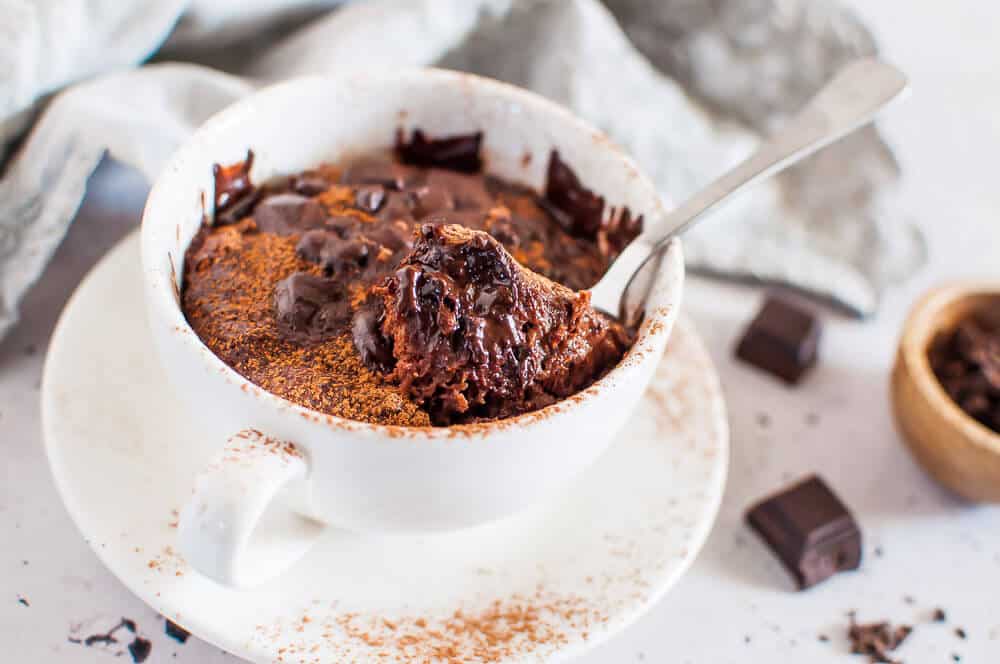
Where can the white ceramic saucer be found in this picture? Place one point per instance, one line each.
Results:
(544, 585)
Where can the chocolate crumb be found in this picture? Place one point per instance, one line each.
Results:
(824, 638)
(30, 350)
(746, 639)
(175, 631)
(22, 601)
(939, 616)
(908, 599)
(763, 420)
(99, 638)
(108, 637)
(877, 639)
(24, 562)
(139, 649)
(960, 633)
(812, 419)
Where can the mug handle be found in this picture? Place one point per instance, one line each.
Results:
(216, 527)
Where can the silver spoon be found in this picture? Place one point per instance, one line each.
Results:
(849, 101)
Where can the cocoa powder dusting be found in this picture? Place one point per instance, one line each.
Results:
(232, 312)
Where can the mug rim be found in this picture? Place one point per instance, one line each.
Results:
(658, 321)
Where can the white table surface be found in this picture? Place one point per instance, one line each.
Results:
(923, 548)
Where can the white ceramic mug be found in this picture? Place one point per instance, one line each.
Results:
(362, 476)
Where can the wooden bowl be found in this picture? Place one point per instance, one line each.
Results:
(957, 450)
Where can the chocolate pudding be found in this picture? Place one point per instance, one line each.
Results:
(408, 288)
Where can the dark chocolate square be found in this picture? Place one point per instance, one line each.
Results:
(810, 530)
(782, 339)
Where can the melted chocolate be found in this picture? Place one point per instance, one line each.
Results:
(235, 194)
(455, 153)
(475, 335)
(581, 211)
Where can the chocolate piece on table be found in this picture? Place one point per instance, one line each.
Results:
(810, 530)
(782, 339)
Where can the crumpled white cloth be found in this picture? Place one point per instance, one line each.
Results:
(683, 85)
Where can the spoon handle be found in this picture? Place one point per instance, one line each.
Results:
(849, 101)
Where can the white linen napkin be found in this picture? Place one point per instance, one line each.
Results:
(685, 86)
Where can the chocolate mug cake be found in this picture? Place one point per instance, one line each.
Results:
(408, 288)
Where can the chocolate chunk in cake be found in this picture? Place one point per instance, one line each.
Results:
(310, 308)
(455, 153)
(235, 194)
(288, 214)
